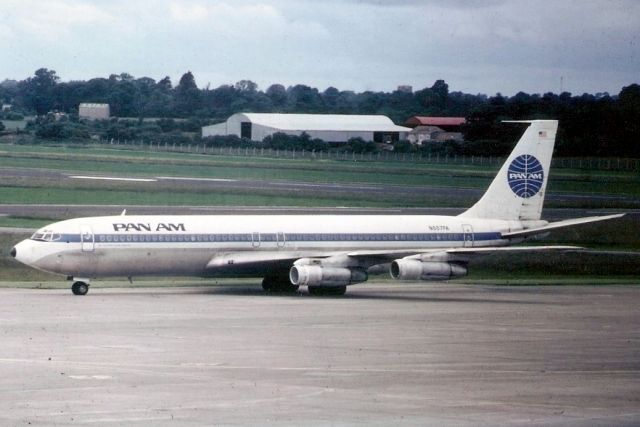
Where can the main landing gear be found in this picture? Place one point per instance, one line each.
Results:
(80, 287)
(278, 284)
(327, 291)
(281, 284)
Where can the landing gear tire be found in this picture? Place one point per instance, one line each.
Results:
(80, 288)
(277, 284)
(327, 291)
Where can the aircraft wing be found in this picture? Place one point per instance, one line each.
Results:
(426, 253)
(279, 260)
(284, 259)
(559, 224)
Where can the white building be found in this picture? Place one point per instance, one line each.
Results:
(421, 135)
(328, 127)
(94, 111)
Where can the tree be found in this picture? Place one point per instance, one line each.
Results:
(246, 86)
(8, 90)
(187, 82)
(188, 98)
(165, 85)
(304, 99)
(440, 91)
(278, 95)
(122, 99)
(628, 134)
(359, 145)
(38, 91)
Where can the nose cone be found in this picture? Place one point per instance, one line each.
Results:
(23, 252)
(36, 255)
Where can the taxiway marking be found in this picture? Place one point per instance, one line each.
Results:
(112, 178)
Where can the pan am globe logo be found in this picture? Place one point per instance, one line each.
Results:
(525, 176)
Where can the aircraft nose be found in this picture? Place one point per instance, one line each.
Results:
(13, 252)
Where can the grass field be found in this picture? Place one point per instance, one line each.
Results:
(615, 235)
(141, 163)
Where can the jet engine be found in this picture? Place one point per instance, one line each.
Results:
(315, 275)
(411, 269)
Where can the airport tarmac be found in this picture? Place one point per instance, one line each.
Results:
(385, 354)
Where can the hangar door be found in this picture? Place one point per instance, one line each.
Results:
(386, 137)
(245, 130)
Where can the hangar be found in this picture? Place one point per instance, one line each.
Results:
(328, 127)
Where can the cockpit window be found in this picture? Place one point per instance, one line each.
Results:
(38, 235)
(46, 236)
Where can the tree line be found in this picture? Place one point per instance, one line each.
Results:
(590, 124)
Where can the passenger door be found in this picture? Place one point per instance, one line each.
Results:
(467, 232)
(87, 240)
(255, 239)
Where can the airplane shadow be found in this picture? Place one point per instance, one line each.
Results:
(360, 294)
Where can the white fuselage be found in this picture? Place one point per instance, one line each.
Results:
(198, 245)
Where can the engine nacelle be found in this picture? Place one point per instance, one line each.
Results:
(411, 269)
(315, 275)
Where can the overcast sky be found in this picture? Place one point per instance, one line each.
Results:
(475, 46)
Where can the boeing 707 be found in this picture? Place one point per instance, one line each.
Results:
(325, 253)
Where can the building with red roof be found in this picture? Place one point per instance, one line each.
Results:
(446, 123)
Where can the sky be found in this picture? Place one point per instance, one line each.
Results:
(487, 47)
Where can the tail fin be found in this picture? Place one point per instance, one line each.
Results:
(517, 192)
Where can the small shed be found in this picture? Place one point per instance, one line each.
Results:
(93, 111)
(425, 134)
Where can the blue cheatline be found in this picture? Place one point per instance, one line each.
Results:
(272, 237)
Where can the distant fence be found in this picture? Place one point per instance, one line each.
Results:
(617, 164)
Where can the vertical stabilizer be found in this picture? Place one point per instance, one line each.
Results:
(517, 192)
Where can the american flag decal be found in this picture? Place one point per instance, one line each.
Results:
(542, 134)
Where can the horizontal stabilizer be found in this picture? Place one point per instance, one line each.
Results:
(559, 224)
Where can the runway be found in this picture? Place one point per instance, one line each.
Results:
(386, 354)
(326, 188)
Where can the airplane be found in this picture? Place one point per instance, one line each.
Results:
(325, 253)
